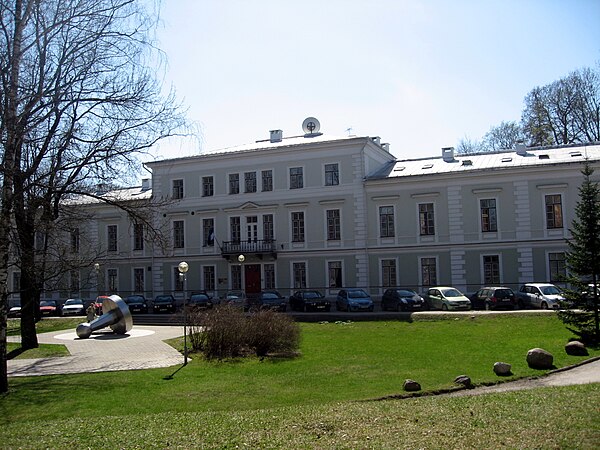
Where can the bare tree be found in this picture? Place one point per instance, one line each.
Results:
(466, 145)
(503, 136)
(78, 104)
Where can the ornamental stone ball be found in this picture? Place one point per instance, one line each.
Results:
(115, 314)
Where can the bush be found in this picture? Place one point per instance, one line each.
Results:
(271, 332)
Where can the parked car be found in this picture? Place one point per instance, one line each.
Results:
(353, 299)
(309, 300)
(98, 304)
(199, 301)
(447, 299)
(49, 308)
(401, 299)
(137, 304)
(494, 297)
(164, 303)
(539, 295)
(269, 299)
(73, 307)
(235, 299)
(15, 310)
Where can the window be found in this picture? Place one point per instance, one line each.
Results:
(489, 220)
(297, 227)
(16, 279)
(268, 234)
(558, 266)
(208, 187)
(334, 269)
(333, 225)
(75, 240)
(296, 178)
(209, 278)
(112, 280)
(208, 232)
(234, 183)
(332, 175)
(554, 217)
(138, 280)
(177, 189)
(269, 270)
(252, 228)
(491, 269)
(178, 234)
(267, 180)
(388, 272)
(138, 236)
(426, 219)
(112, 238)
(74, 281)
(428, 272)
(235, 229)
(250, 182)
(178, 280)
(236, 276)
(299, 274)
(386, 221)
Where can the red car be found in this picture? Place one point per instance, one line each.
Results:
(98, 304)
(49, 308)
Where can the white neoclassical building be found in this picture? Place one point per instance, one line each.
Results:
(326, 212)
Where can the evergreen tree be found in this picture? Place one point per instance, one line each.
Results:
(583, 263)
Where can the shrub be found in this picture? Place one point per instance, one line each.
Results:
(219, 333)
(271, 332)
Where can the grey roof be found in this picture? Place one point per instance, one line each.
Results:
(533, 157)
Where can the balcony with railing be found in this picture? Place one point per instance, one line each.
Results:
(256, 247)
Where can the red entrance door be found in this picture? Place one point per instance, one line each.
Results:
(252, 279)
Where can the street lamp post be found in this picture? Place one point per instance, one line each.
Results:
(241, 259)
(183, 268)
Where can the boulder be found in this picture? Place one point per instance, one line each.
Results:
(576, 348)
(538, 358)
(464, 380)
(411, 385)
(502, 368)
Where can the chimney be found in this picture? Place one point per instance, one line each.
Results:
(377, 140)
(520, 148)
(386, 146)
(448, 154)
(145, 184)
(276, 135)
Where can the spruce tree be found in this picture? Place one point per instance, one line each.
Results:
(583, 263)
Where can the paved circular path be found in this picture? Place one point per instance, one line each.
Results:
(141, 348)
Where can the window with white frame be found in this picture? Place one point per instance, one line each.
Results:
(268, 233)
(332, 174)
(269, 273)
(235, 229)
(112, 238)
(298, 226)
(334, 270)
(489, 219)
(75, 240)
(236, 276)
(209, 278)
(299, 275)
(138, 236)
(557, 264)
(178, 234)
(267, 180)
(428, 271)
(138, 280)
(177, 189)
(178, 280)
(208, 232)
(296, 178)
(249, 182)
(333, 225)
(234, 183)
(426, 219)
(388, 272)
(491, 269)
(386, 221)
(208, 187)
(112, 280)
(554, 215)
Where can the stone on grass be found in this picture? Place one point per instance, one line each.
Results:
(538, 358)
(411, 385)
(576, 348)
(502, 368)
(464, 380)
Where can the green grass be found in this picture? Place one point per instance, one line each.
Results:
(45, 325)
(339, 365)
(43, 351)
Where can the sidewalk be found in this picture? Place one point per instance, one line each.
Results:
(141, 348)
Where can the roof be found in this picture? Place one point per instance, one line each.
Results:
(115, 195)
(533, 157)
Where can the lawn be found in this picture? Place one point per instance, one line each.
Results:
(341, 368)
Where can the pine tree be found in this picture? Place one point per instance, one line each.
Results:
(583, 263)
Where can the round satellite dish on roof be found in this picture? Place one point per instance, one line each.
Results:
(311, 125)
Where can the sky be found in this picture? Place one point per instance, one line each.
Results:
(419, 74)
